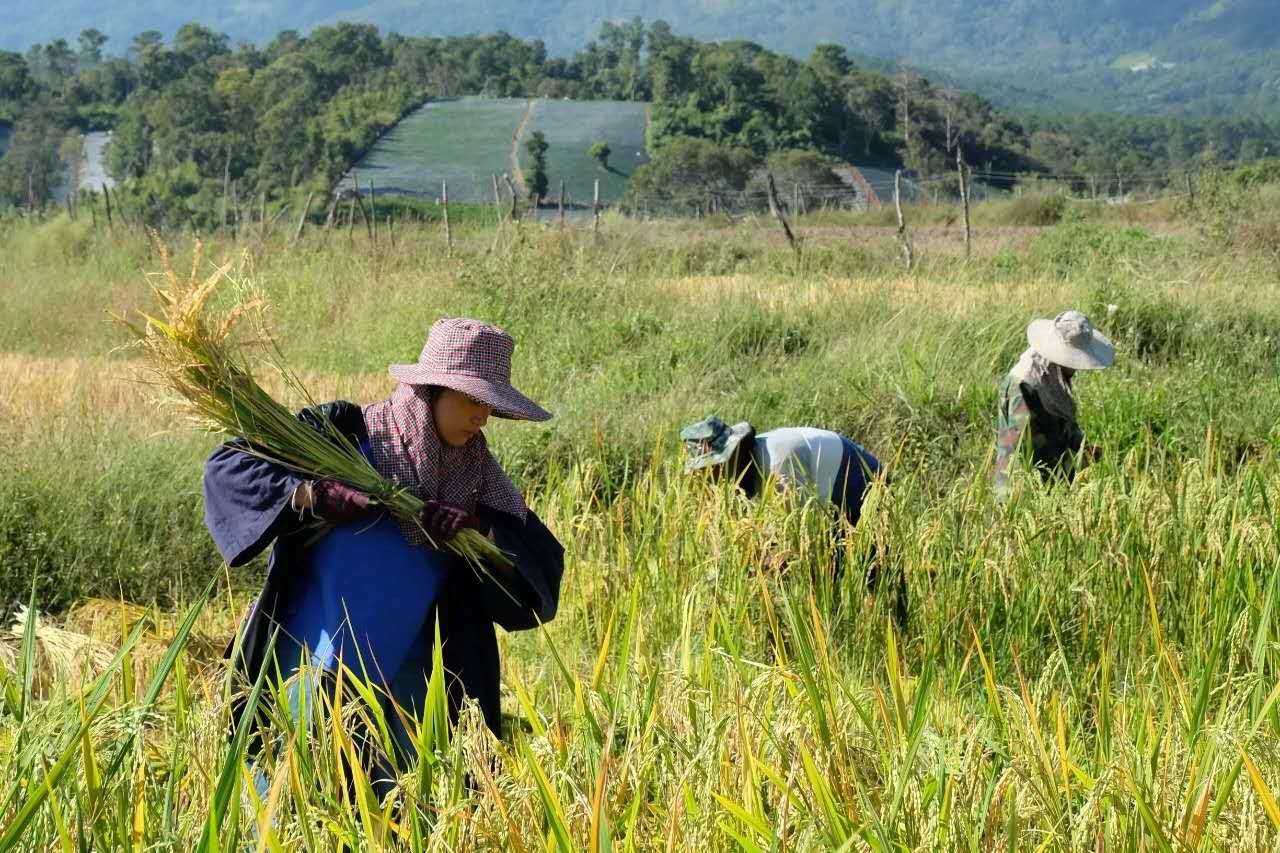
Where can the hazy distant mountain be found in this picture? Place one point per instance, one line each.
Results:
(1203, 56)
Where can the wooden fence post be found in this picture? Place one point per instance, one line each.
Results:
(515, 198)
(964, 199)
(448, 231)
(276, 217)
(262, 214)
(226, 188)
(776, 209)
(373, 211)
(908, 256)
(595, 208)
(306, 211)
(562, 204)
(106, 198)
(497, 199)
(235, 210)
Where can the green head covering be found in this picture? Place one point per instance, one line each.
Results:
(712, 442)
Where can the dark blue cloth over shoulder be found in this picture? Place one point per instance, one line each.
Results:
(247, 510)
(857, 469)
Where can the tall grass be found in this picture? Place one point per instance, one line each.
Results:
(1099, 664)
(1093, 668)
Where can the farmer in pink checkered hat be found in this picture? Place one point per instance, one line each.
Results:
(369, 592)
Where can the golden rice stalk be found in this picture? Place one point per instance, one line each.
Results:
(191, 349)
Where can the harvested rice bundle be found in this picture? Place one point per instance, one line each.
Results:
(190, 350)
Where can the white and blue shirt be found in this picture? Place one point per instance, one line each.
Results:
(824, 464)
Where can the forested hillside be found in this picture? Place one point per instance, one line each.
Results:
(201, 124)
(1195, 56)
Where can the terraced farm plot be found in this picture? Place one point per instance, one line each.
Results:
(464, 141)
(571, 127)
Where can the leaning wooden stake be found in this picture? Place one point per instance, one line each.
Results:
(908, 257)
(497, 199)
(776, 209)
(515, 198)
(364, 214)
(448, 231)
(106, 198)
(964, 199)
(562, 204)
(302, 220)
(595, 208)
(276, 217)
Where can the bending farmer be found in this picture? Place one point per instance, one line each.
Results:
(835, 470)
(1037, 404)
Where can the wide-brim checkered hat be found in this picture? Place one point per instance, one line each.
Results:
(1071, 341)
(472, 358)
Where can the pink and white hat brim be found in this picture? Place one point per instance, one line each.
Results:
(506, 401)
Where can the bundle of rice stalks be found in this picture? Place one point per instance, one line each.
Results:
(62, 657)
(191, 350)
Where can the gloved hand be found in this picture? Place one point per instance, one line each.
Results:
(339, 504)
(444, 521)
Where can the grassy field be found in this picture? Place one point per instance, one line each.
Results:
(1095, 668)
(571, 127)
(468, 140)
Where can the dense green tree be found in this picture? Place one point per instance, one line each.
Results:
(15, 78)
(688, 174)
(600, 152)
(91, 42)
(30, 169)
(537, 180)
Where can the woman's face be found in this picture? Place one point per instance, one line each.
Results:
(458, 417)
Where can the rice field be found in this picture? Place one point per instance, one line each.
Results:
(1087, 669)
(466, 141)
(571, 127)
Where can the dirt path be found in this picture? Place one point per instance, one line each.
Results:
(517, 174)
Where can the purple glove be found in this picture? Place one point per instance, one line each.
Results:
(338, 504)
(444, 521)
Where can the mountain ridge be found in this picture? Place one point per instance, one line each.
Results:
(1206, 57)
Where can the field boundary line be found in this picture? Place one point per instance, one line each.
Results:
(517, 174)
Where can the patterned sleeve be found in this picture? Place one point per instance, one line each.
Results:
(1014, 419)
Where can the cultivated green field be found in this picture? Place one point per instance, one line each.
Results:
(464, 141)
(1087, 669)
(468, 140)
(571, 127)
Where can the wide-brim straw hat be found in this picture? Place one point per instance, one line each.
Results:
(473, 358)
(712, 442)
(1070, 340)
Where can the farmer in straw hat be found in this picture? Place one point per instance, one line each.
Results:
(369, 592)
(1037, 400)
(834, 470)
